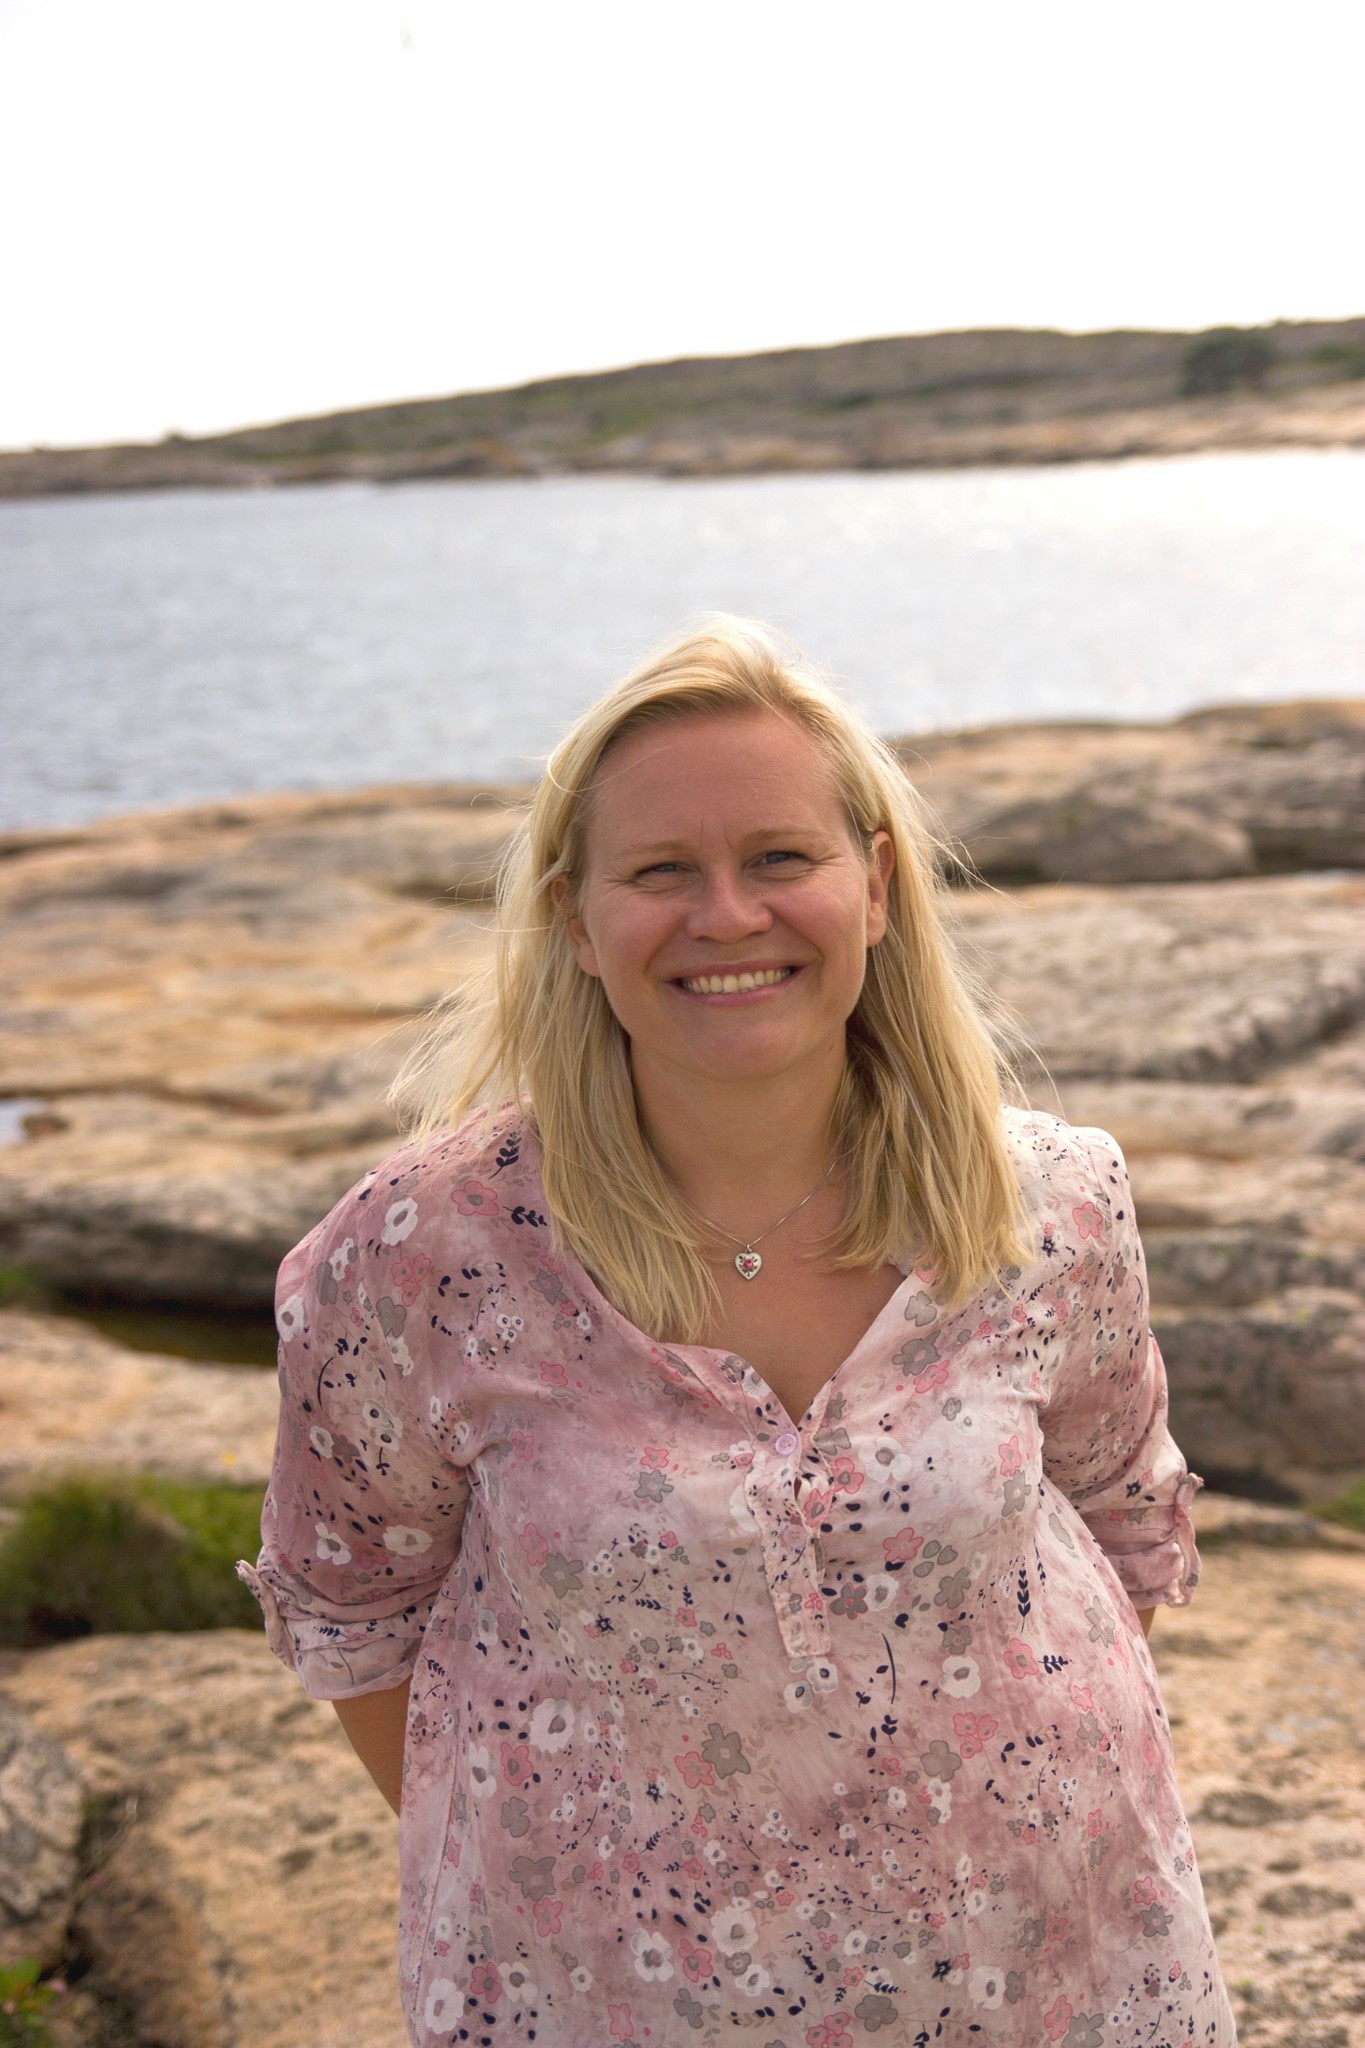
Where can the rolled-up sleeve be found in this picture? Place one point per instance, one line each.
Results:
(364, 1511)
(1107, 1446)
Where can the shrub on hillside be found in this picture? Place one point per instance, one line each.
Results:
(1345, 358)
(90, 1556)
(1226, 359)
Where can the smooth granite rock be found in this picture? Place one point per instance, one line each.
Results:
(1098, 834)
(1233, 790)
(251, 1900)
(1261, 1676)
(1215, 981)
(72, 1400)
(1274, 1388)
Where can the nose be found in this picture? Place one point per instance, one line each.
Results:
(727, 907)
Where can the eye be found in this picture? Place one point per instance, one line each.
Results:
(780, 855)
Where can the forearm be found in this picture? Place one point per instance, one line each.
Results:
(375, 1725)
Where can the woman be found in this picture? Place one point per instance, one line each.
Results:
(726, 1484)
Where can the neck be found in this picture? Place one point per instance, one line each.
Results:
(738, 1150)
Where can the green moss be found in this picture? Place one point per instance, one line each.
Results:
(23, 1999)
(94, 1556)
(19, 1288)
(1349, 1510)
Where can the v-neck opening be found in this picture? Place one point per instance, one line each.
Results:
(809, 1421)
(812, 1416)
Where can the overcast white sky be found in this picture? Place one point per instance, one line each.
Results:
(221, 213)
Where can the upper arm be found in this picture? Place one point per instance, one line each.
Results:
(363, 1516)
(1107, 1445)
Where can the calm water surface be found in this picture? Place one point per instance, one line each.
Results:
(166, 648)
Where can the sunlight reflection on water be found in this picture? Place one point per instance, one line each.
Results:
(165, 648)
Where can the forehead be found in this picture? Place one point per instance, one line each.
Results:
(732, 771)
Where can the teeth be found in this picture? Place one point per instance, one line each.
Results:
(733, 984)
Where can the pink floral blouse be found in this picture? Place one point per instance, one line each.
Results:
(816, 1731)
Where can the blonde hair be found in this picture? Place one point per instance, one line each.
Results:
(917, 1116)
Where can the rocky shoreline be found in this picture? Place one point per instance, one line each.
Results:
(203, 1008)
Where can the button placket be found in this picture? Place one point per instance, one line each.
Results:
(789, 1553)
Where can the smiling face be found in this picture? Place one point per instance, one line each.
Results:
(726, 905)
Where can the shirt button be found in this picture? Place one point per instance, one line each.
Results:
(788, 1442)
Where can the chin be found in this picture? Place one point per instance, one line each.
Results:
(749, 1064)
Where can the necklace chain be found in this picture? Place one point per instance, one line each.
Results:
(748, 1263)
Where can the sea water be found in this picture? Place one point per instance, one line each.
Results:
(161, 648)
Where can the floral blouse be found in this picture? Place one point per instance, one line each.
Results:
(722, 1722)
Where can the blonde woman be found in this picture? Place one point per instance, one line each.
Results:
(723, 1480)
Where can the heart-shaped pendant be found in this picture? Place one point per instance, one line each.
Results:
(748, 1265)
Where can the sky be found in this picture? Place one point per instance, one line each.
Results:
(218, 214)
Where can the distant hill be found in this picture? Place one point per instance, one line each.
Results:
(912, 401)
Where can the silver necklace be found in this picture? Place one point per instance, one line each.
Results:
(748, 1263)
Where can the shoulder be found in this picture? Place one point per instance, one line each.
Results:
(1073, 1182)
(461, 1181)
(1047, 1151)
(473, 1165)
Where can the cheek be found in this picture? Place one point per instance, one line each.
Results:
(839, 922)
(621, 942)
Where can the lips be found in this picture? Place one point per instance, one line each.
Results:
(735, 981)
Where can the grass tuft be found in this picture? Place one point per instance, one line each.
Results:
(1349, 1509)
(95, 1556)
(24, 1999)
